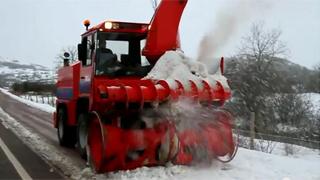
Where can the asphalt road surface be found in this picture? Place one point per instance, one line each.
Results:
(19, 162)
(38, 122)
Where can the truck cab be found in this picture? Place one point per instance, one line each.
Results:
(113, 50)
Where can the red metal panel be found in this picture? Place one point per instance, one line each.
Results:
(71, 106)
(76, 79)
(69, 77)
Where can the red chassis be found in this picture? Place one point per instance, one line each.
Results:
(99, 104)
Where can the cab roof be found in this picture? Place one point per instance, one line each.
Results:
(117, 26)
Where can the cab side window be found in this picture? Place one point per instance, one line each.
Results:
(89, 50)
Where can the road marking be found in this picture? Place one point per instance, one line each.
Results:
(21, 171)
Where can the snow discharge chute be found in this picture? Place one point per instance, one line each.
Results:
(163, 30)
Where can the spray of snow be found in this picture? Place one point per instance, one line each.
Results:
(185, 113)
(228, 21)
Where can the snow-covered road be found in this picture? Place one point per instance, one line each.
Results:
(33, 126)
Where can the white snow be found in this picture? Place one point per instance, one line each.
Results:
(174, 65)
(6, 70)
(314, 99)
(15, 71)
(247, 164)
(42, 99)
(287, 128)
(43, 107)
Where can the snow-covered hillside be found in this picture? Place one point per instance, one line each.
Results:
(15, 71)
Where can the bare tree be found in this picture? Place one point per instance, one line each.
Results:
(266, 146)
(256, 78)
(261, 45)
(72, 50)
(314, 80)
(292, 109)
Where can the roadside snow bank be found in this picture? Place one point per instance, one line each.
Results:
(174, 65)
(43, 107)
(247, 164)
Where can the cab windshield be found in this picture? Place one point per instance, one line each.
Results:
(119, 54)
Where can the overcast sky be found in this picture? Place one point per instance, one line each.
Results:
(34, 31)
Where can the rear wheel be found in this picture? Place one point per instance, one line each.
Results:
(66, 134)
(82, 134)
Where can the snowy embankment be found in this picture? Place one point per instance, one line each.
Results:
(247, 165)
(43, 107)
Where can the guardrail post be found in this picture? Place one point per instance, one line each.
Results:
(252, 131)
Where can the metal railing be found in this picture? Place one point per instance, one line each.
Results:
(314, 144)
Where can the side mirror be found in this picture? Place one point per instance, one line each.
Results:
(81, 52)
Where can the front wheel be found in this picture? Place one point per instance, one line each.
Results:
(66, 134)
(82, 134)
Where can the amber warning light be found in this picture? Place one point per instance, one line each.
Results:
(86, 23)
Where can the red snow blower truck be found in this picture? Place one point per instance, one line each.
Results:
(101, 98)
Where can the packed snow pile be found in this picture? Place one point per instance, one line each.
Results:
(174, 65)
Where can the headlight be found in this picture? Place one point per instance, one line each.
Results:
(108, 25)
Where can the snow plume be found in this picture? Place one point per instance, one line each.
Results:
(186, 113)
(228, 21)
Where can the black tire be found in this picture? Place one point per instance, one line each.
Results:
(82, 134)
(66, 134)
